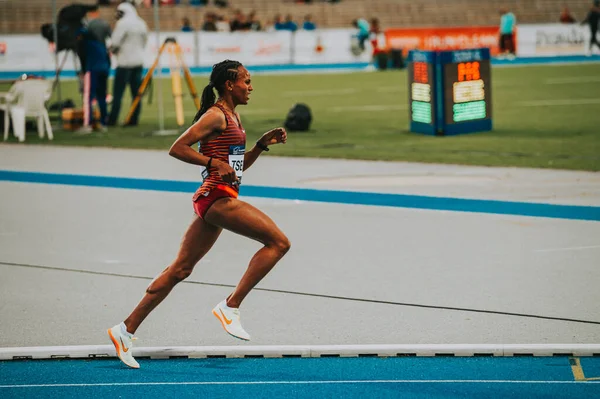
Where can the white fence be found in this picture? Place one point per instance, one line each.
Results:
(552, 40)
(201, 49)
(31, 53)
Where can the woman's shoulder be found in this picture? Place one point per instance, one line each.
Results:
(215, 118)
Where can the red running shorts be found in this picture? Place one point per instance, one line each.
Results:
(203, 203)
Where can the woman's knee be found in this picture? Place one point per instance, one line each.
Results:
(179, 272)
(281, 243)
(169, 278)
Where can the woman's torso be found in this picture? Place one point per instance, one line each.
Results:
(229, 146)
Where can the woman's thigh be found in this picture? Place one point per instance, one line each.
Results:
(197, 241)
(244, 219)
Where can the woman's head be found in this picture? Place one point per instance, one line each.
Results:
(230, 79)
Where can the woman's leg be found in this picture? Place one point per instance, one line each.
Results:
(121, 76)
(197, 241)
(244, 219)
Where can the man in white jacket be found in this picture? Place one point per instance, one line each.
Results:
(128, 44)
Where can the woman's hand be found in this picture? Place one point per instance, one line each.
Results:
(225, 171)
(275, 136)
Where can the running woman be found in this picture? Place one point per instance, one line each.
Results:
(222, 156)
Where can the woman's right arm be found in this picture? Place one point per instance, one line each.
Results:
(210, 123)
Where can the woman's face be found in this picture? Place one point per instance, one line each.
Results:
(242, 87)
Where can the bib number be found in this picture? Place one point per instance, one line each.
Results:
(236, 159)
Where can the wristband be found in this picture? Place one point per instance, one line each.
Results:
(262, 146)
(208, 164)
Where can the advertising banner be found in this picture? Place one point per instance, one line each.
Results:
(552, 40)
(327, 47)
(186, 41)
(441, 39)
(27, 53)
(31, 53)
(250, 48)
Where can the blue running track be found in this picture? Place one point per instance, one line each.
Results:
(361, 377)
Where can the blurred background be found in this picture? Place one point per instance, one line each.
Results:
(344, 61)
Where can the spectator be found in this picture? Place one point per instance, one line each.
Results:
(308, 24)
(363, 31)
(186, 27)
(223, 24)
(129, 43)
(253, 23)
(278, 23)
(209, 24)
(566, 17)
(508, 21)
(239, 21)
(593, 18)
(290, 24)
(374, 35)
(96, 69)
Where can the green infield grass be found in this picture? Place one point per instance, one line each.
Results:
(543, 117)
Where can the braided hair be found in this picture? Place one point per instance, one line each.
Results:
(221, 73)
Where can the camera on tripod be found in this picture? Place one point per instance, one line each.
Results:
(69, 22)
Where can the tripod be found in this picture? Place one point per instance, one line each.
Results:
(59, 69)
(173, 48)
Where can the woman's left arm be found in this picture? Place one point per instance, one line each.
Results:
(271, 137)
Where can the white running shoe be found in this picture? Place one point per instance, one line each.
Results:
(123, 345)
(230, 319)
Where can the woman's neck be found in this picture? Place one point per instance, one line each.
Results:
(227, 104)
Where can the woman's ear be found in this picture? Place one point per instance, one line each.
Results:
(229, 85)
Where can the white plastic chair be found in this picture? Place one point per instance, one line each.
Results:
(27, 98)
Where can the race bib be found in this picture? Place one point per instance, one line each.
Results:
(236, 159)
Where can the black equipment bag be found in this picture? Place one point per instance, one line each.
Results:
(298, 118)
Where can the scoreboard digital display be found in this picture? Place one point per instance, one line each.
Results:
(421, 92)
(467, 88)
(450, 91)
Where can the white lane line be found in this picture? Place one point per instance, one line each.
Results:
(367, 108)
(332, 382)
(314, 351)
(390, 89)
(575, 79)
(566, 101)
(328, 92)
(567, 249)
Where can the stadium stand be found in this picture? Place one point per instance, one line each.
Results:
(18, 16)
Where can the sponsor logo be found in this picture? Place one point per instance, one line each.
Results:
(237, 150)
(418, 56)
(557, 40)
(228, 321)
(125, 349)
(466, 55)
(268, 48)
(226, 50)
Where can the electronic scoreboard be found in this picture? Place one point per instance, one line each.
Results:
(450, 91)
(421, 91)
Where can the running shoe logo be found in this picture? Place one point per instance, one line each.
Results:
(225, 318)
(125, 349)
